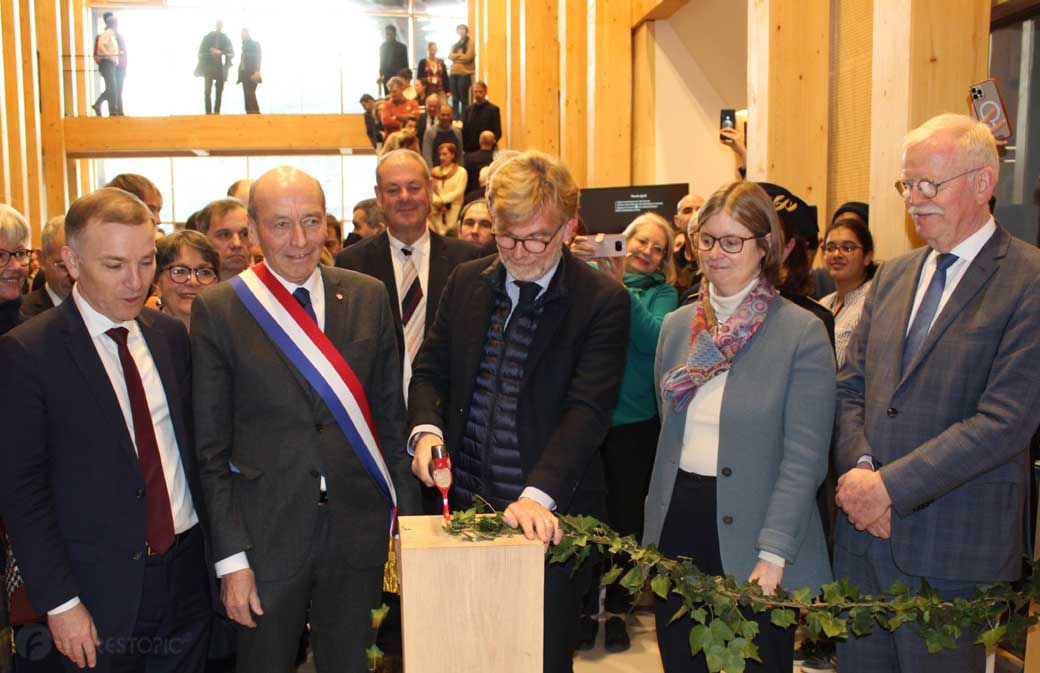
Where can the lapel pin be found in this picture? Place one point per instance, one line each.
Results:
(339, 296)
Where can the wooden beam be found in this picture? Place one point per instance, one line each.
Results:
(511, 117)
(52, 131)
(5, 158)
(540, 76)
(573, 82)
(496, 70)
(653, 10)
(644, 107)
(31, 106)
(609, 93)
(228, 135)
(10, 25)
(82, 62)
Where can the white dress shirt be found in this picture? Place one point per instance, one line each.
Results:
(536, 494)
(700, 450)
(181, 505)
(316, 288)
(55, 299)
(421, 258)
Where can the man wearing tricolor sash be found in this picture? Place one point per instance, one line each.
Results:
(301, 436)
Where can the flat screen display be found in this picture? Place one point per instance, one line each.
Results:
(609, 210)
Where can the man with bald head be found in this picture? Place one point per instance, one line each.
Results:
(478, 159)
(441, 132)
(937, 399)
(301, 495)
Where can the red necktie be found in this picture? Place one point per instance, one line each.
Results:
(159, 516)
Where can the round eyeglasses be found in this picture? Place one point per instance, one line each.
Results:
(182, 274)
(928, 188)
(532, 245)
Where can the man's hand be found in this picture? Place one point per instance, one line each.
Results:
(768, 575)
(423, 458)
(882, 528)
(535, 520)
(215, 52)
(75, 635)
(239, 596)
(863, 496)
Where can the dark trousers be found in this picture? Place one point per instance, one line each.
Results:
(249, 93)
(902, 651)
(564, 589)
(120, 78)
(171, 634)
(628, 460)
(460, 85)
(107, 70)
(207, 84)
(691, 529)
(339, 599)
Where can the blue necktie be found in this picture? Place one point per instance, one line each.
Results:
(926, 311)
(304, 298)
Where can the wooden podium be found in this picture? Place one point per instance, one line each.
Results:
(469, 607)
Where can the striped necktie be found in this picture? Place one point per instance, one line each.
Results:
(413, 305)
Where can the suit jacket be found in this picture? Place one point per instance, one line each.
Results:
(215, 67)
(572, 374)
(952, 432)
(257, 412)
(371, 257)
(36, 302)
(476, 160)
(71, 490)
(774, 439)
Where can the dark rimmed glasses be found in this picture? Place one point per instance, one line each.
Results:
(846, 248)
(532, 245)
(730, 243)
(180, 274)
(21, 256)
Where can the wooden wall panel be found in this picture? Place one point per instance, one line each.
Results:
(10, 25)
(52, 130)
(573, 87)
(36, 207)
(5, 159)
(610, 93)
(540, 76)
(644, 107)
(511, 117)
(82, 69)
(496, 72)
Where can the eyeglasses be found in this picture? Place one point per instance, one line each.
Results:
(928, 188)
(533, 245)
(182, 274)
(847, 248)
(21, 256)
(731, 244)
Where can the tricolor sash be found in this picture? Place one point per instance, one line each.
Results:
(316, 358)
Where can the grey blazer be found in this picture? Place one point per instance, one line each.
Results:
(774, 437)
(951, 432)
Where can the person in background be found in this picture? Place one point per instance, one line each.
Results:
(215, 56)
(745, 384)
(368, 220)
(481, 116)
(58, 285)
(368, 104)
(428, 117)
(441, 132)
(185, 263)
(393, 57)
(628, 450)
(684, 257)
(432, 72)
(239, 189)
(15, 250)
(106, 56)
(479, 158)
(823, 284)
(142, 188)
(333, 234)
(120, 64)
(475, 224)
(396, 108)
(848, 251)
(463, 66)
(225, 223)
(249, 72)
(449, 186)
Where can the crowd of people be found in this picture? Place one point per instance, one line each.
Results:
(238, 411)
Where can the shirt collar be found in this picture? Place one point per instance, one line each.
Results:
(55, 299)
(97, 323)
(311, 284)
(543, 282)
(969, 248)
(420, 247)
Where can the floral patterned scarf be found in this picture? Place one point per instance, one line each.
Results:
(713, 346)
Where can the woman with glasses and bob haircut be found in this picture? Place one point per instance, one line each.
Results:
(185, 263)
(15, 252)
(746, 386)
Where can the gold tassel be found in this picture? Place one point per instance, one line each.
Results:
(390, 582)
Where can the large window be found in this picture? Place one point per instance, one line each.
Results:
(319, 56)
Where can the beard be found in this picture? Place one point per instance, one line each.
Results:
(534, 266)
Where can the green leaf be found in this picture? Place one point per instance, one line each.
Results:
(679, 614)
(699, 615)
(374, 656)
(700, 636)
(634, 579)
(721, 630)
(661, 584)
(900, 588)
(378, 615)
(749, 629)
(803, 595)
(991, 637)
(831, 625)
(716, 656)
(782, 617)
(611, 575)
(862, 621)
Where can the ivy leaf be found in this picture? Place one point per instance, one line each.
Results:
(661, 584)
(782, 617)
(749, 629)
(991, 637)
(721, 630)
(900, 588)
(611, 575)
(862, 621)
(715, 654)
(699, 615)
(803, 595)
(374, 656)
(700, 637)
(831, 625)
(679, 614)
(634, 579)
(378, 615)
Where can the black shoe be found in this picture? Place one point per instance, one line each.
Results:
(97, 109)
(616, 637)
(587, 629)
(819, 663)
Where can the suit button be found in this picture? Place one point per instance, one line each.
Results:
(315, 474)
(727, 519)
(726, 472)
(892, 411)
(140, 493)
(136, 556)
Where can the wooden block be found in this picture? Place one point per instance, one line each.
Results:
(469, 607)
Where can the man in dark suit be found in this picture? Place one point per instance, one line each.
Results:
(482, 115)
(99, 486)
(58, 285)
(520, 373)
(937, 400)
(297, 519)
(478, 159)
(403, 191)
(428, 117)
(215, 56)
(393, 57)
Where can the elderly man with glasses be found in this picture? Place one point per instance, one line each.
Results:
(937, 399)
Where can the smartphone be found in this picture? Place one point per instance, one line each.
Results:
(727, 120)
(610, 245)
(986, 98)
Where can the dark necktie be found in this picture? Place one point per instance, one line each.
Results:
(413, 320)
(159, 517)
(302, 296)
(926, 311)
(528, 293)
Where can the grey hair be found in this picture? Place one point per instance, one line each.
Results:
(973, 139)
(412, 154)
(55, 227)
(13, 226)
